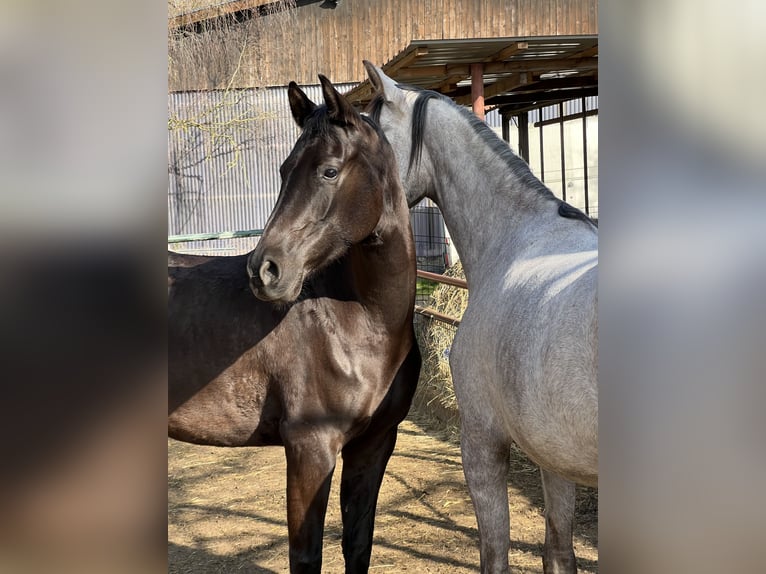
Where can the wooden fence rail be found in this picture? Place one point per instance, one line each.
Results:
(454, 281)
(433, 313)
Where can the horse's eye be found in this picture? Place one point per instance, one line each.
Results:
(330, 173)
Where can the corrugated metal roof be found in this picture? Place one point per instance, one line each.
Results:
(185, 12)
(519, 73)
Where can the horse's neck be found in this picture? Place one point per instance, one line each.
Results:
(383, 269)
(481, 198)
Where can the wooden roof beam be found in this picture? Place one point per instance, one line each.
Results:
(516, 103)
(540, 65)
(586, 53)
(579, 81)
(514, 82)
(363, 92)
(508, 51)
(407, 58)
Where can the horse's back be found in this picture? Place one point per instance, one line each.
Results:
(185, 260)
(215, 332)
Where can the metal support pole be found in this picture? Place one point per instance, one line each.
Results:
(585, 156)
(542, 148)
(524, 136)
(563, 154)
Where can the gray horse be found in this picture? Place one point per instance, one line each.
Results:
(524, 361)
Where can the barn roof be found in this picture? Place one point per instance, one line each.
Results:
(519, 73)
(186, 12)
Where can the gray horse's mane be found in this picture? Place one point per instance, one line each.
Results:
(515, 164)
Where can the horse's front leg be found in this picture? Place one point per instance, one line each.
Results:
(486, 460)
(485, 451)
(311, 454)
(364, 462)
(558, 553)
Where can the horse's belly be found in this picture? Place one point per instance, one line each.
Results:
(547, 404)
(565, 443)
(551, 412)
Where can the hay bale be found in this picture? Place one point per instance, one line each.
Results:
(435, 397)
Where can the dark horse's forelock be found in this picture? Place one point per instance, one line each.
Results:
(318, 124)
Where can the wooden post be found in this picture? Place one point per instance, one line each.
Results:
(477, 89)
(506, 128)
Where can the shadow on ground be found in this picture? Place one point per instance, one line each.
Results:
(226, 511)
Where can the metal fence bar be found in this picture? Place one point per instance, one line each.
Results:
(434, 314)
(454, 281)
(212, 236)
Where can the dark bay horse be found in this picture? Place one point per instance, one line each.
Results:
(324, 360)
(524, 360)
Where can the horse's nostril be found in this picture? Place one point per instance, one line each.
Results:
(269, 272)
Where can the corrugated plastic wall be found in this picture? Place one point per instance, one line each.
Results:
(224, 155)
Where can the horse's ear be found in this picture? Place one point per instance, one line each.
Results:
(300, 104)
(382, 83)
(338, 107)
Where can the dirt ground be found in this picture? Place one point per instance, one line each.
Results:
(226, 511)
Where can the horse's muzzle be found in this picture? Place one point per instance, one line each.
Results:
(267, 280)
(268, 273)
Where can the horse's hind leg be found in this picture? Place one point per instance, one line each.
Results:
(485, 464)
(364, 463)
(558, 554)
(311, 459)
